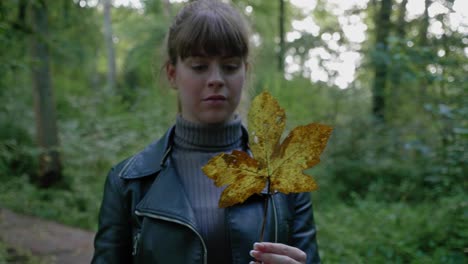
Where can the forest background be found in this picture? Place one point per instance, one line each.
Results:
(81, 88)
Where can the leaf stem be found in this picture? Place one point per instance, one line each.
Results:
(265, 210)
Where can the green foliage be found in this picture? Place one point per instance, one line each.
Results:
(17, 154)
(393, 193)
(17, 148)
(9, 255)
(94, 137)
(380, 232)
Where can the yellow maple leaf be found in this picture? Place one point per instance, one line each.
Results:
(280, 163)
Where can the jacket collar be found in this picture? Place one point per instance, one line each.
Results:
(151, 159)
(154, 157)
(167, 186)
(166, 199)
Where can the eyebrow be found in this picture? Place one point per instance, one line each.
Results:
(221, 57)
(206, 55)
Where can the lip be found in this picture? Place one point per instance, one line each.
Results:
(216, 97)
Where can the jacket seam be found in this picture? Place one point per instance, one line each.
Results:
(118, 185)
(127, 165)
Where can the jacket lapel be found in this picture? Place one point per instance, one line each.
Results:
(166, 198)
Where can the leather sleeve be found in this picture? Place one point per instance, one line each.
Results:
(112, 243)
(303, 227)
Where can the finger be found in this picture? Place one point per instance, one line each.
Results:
(281, 249)
(271, 258)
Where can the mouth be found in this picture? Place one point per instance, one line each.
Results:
(215, 98)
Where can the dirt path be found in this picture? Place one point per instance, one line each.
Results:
(54, 242)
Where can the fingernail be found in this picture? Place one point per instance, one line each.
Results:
(256, 244)
(252, 253)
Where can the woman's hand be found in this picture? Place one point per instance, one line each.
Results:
(276, 253)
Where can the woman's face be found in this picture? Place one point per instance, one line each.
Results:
(209, 88)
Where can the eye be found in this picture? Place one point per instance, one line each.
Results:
(199, 67)
(231, 67)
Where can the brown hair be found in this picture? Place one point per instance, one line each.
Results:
(207, 27)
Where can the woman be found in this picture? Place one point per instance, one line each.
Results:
(158, 206)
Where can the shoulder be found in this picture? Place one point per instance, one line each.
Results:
(144, 163)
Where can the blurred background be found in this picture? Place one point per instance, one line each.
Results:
(81, 88)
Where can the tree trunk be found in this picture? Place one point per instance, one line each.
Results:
(401, 23)
(167, 8)
(396, 65)
(21, 17)
(47, 137)
(423, 42)
(281, 37)
(20, 22)
(111, 68)
(382, 27)
(425, 24)
(2, 12)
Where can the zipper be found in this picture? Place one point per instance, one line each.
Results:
(276, 218)
(136, 240)
(154, 216)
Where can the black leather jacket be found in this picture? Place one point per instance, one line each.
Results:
(145, 217)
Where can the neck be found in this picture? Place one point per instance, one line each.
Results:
(219, 136)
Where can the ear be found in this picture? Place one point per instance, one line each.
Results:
(171, 74)
(246, 67)
(246, 72)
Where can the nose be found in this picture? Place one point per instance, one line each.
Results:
(216, 79)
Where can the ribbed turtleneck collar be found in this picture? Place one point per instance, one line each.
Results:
(215, 137)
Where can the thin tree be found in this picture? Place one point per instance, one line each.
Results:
(425, 24)
(400, 30)
(382, 27)
(401, 23)
(422, 42)
(46, 127)
(281, 51)
(111, 68)
(167, 8)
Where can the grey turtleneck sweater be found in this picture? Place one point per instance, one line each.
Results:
(194, 146)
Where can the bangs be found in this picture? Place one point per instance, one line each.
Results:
(212, 34)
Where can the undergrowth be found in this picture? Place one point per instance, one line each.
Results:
(370, 208)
